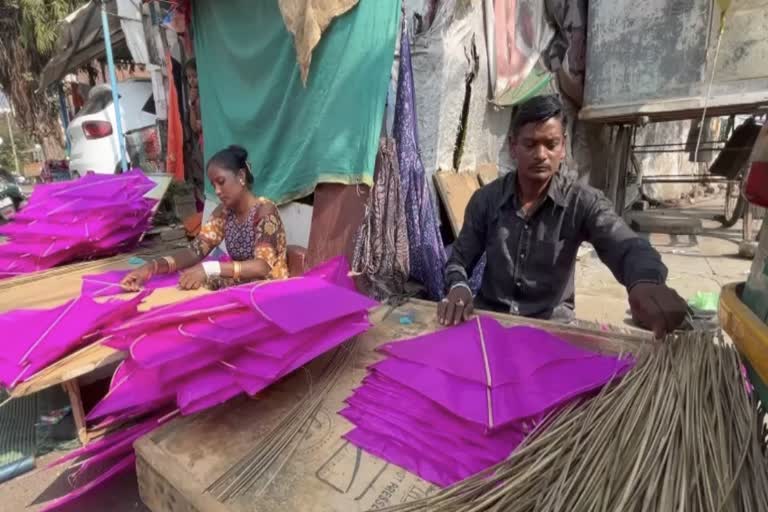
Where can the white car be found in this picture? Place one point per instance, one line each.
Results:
(93, 132)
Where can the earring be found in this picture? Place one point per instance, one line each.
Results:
(242, 182)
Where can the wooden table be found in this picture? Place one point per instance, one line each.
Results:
(322, 472)
(52, 288)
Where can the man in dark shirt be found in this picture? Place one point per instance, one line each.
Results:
(531, 223)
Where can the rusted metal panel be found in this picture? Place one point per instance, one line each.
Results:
(655, 58)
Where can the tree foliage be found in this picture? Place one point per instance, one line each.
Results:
(28, 35)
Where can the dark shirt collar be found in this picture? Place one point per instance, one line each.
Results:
(556, 190)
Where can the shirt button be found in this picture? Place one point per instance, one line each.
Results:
(519, 284)
(522, 255)
(526, 227)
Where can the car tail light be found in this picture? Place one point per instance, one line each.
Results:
(97, 129)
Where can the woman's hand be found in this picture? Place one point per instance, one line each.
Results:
(136, 279)
(192, 278)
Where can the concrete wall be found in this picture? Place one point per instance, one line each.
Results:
(450, 67)
(659, 164)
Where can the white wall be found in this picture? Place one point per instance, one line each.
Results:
(297, 219)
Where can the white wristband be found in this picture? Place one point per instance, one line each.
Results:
(461, 284)
(212, 268)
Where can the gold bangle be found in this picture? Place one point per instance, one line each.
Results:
(171, 264)
(154, 267)
(236, 270)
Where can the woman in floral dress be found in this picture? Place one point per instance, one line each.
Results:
(250, 226)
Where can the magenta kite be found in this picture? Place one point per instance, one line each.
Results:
(96, 216)
(474, 392)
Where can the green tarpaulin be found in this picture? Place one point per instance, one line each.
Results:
(251, 92)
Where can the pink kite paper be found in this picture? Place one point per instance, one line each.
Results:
(106, 458)
(95, 216)
(35, 338)
(190, 356)
(473, 393)
(201, 352)
(108, 283)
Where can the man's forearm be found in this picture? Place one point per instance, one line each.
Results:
(642, 264)
(456, 274)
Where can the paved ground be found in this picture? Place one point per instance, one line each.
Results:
(703, 266)
(706, 265)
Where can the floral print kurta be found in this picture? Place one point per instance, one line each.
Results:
(261, 236)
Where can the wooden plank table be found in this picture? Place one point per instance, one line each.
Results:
(54, 287)
(321, 472)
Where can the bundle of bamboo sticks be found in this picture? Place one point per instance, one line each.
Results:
(680, 432)
(264, 462)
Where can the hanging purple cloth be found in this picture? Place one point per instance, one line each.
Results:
(426, 251)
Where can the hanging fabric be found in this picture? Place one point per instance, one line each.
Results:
(381, 249)
(307, 20)
(517, 32)
(174, 163)
(251, 93)
(426, 251)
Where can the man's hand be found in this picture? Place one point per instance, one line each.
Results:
(193, 278)
(657, 307)
(456, 307)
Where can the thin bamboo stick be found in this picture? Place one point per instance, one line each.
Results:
(678, 433)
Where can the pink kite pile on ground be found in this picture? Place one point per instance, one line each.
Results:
(450, 404)
(95, 216)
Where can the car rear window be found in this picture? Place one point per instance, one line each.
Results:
(97, 101)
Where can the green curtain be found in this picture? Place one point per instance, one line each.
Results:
(251, 92)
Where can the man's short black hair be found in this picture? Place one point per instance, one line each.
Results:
(537, 110)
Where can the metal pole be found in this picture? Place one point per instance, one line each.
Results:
(13, 142)
(113, 81)
(64, 113)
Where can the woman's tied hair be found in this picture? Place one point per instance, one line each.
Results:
(234, 158)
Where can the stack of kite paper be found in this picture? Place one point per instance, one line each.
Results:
(449, 404)
(189, 356)
(95, 216)
(34, 338)
(204, 351)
